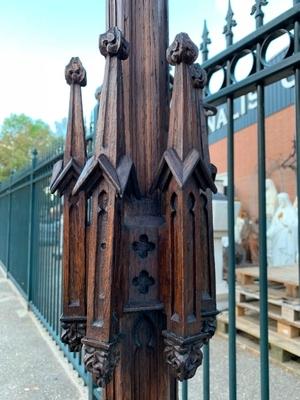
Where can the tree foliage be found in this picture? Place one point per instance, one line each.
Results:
(19, 135)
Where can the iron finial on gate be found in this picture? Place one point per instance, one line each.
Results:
(258, 12)
(205, 42)
(230, 23)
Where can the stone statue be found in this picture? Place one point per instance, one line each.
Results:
(271, 200)
(95, 112)
(295, 204)
(249, 240)
(282, 234)
(239, 223)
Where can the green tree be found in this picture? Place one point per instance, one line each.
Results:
(19, 135)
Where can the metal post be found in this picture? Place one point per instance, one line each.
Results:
(184, 388)
(231, 253)
(8, 225)
(263, 272)
(30, 227)
(263, 265)
(206, 375)
(297, 109)
(231, 248)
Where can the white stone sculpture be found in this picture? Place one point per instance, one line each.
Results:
(282, 233)
(239, 223)
(295, 204)
(271, 200)
(220, 222)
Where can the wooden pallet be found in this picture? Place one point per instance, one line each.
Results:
(281, 347)
(284, 307)
(284, 326)
(286, 277)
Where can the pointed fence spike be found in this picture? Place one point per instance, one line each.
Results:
(205, 42)
(230, 23)
(258, 12)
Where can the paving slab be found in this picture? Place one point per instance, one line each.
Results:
(31, 365)
(284, 384)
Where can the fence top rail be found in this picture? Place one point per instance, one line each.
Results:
(20, 176)
(266, 76)
(283, 21)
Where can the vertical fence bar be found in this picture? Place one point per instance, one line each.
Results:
(30, 227)
(263, 271)
(9, 225)
(297, 110)
(184, 388)
(206, 375)
(40, 246)
(231, 23)
(231, 252)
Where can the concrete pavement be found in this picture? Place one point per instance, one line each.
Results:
(31, 365)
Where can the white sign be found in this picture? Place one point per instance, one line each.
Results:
(243, 104)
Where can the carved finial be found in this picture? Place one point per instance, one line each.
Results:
(257, 11)
(199, 76)
(205, 42)
(230, 23)
(182, 50)
(113, 43)
(75, 73)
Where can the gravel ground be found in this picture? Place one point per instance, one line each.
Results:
(31, 366)
(283, 384)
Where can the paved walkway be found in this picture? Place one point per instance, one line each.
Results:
(284, 384)
(31, 366)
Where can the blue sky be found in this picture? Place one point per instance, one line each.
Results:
(38, 37)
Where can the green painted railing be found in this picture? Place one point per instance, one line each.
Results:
(31, 218)
(263, 73)
(31, 244)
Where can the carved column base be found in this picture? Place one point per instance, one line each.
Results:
(184, 355)
(73, 330)
(100, 360)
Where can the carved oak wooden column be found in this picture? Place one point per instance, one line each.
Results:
(146, 81)
(186, 179)
(146, 108)
(65, 174)
(151, 290)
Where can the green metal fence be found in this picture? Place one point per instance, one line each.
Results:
(31, 244)
(31, 218)
(263, 73)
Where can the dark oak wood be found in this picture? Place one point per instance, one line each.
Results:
(65, 174)
(151, 284)
(146, 81)
(186, 179)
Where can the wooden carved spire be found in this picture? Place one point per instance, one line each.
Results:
(185, 177)
(150, 278)
(107, 176)
(65, 174)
